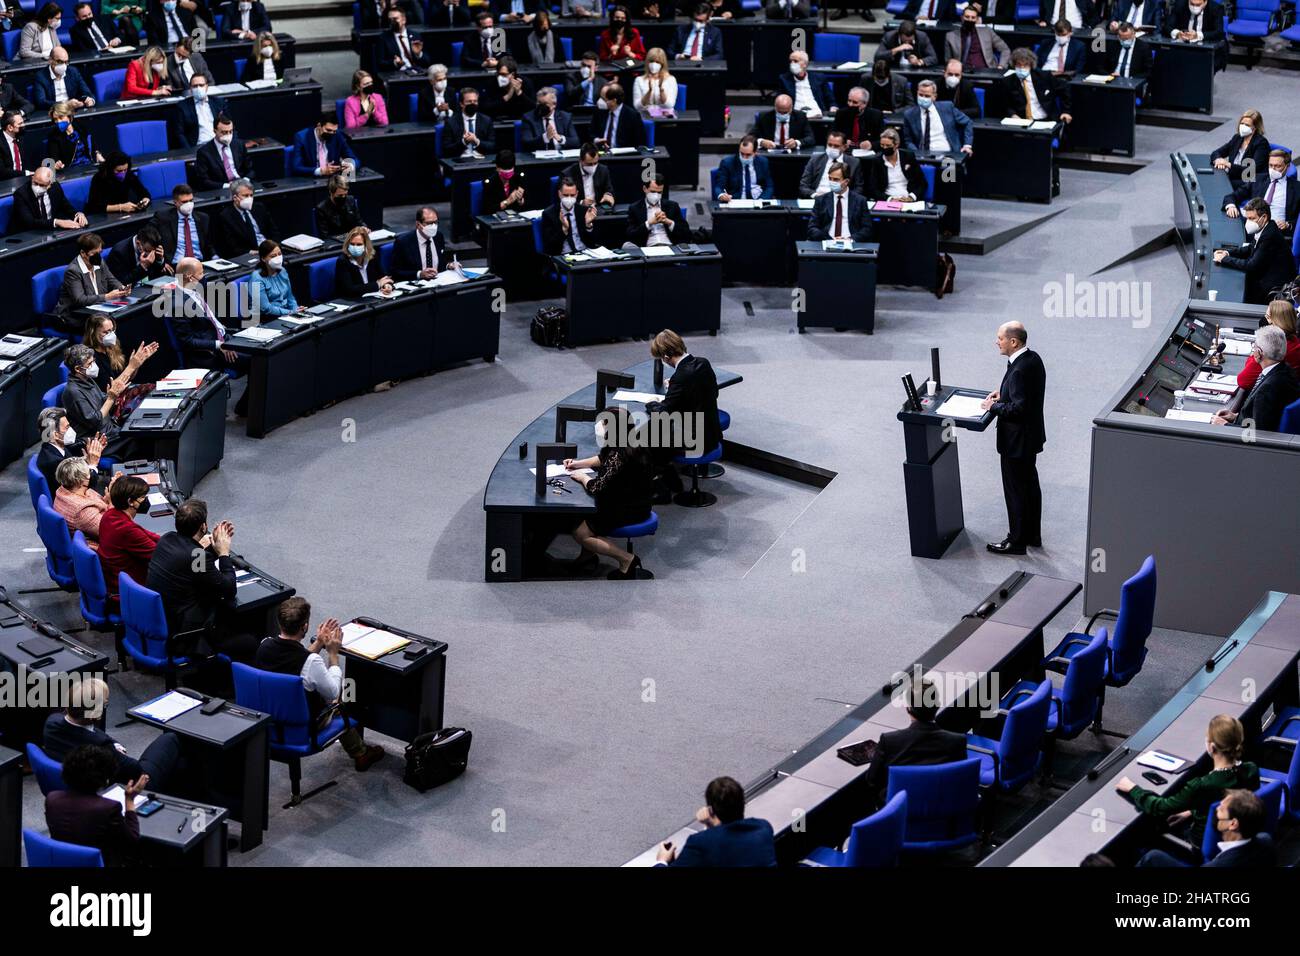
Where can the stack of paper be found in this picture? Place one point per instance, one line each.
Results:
(110, 306)
(1043, 125)
(554, 470)
(961, 406)
(1098, 78)
(376, 644)
(446, 277)
(302, 243)
(654, 252)
(1016, 121)
(182, 379)
(384, 295)
(599, 252)
(12, 346)
(546, 153)
(917, 206)
(118, 792)
(160, 404)
(532, 213)
(158, 500)
(257, 333)
(352, 631)
(379, 235)
(805, 203)
(886, 205)
(169, 706)
(836, 244)
(618, 150)
(624, 395)
(304, 319)
(1236, 346)
(572, 153)
(221, 89)
(1187, 415)
(261, 84)
(852, 65)
(1208, 382)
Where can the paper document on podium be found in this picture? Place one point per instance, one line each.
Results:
(352, 631)
(1016, 121)
(961, 406)
(169, 705)
(557, 470)
(118, 793)
(376, 644)
(654, 252)
(1041, 125)
(160, 404)
(1098, 78)
(1187, 415)
(624, 395)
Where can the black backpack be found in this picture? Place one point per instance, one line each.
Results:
(436, 757)
(550, 327)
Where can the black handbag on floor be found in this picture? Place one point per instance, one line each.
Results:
(550, 327)
(434, 758)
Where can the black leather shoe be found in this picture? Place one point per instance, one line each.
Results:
(1005, 547)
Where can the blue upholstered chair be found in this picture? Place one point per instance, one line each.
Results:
(46, 852)
(876, 841)
(53, 532)
(47, 770)
(1008, 763)
(942, 804)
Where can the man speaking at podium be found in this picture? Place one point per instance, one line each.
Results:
(1018, 405)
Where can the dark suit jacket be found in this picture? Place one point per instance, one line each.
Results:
(922, 48)
(191, 598)
(639, 235)
(1180, 18)
(11, 99)
(76, 292)
(963, 98)
(198, 66)
(29, 160)
(26, 211)
(875, 177)
(155, 24)
(1267, 262)
(210, 173)
(1269, 398)
(471, 54)
(1259, 852)
(1140, 58)
(920, 744)
(185, 126)
(442, 15)
(1075, 53)
(732, 177)
(167, 222)
(303, 160)
(870, 123)
(1089, 11)
(253, 70)
(601, 181)
(502, 7)
(43, 87)
(554, 240)
(82, 42)
(426, 106)
(573, 91)
(408, 257)
(494, 193)
(692, 389)
(454, 128)
(258, 20)
(1286, 198)
(816, 167)
(124, 262)
(388, 40)
(817, 83)
(945, 11)
(231, 234)
(335, 220)
(822, 223)
(631, 129)
(61, 738)
(1052, 92)
(1257, 153)
(534, 126)
(765, 127)
(349, 283)
(956, 126)
(1153, 14)
(1019, 408)
(48, 460)
(747, 842)
(90, 820)
(710, 48)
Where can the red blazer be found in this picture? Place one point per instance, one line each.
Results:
(633, 37)
(124, 546)
(1247, 377)
(135, 87)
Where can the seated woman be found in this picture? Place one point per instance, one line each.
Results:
(82, 506)
(271, 283)
(88, 407)
(144, 76)
(655, 86)
(505, 188)
(364, 107)
(357, 270)
(86, 281)
(1247, 149)
(117, 188)
(264, 61)
(123, 544)
(101, 337)
(621, 489)
(337, 212)
(543, 45)
(40, 34)
(67, 145)
(1187, 807)
(620, 40)
(77, 814)
(1281, 313)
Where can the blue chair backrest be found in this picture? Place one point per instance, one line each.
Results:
(1256, 9)
(53, 396)
(108, 85)
(48, 771)
(90, 581)
(942, 800)
(1027, 10)
(928, 172)
(146, 136)
(338, 108)
(518, 129)
(1270, 794)
(537, 240)
(36, 483)
(6, 211)
(1021, 745)
(44, 851)
(1137, 608)
(1290, 419)
(1295, 247)
(566, 44)
(649, 125)
(475, 198)
(456, 47)
(77, 189)
(680, 103)
(11, 38)
(385, 254)
(979, 98)
(835, 48)
(320, 280)
(895, 7)
(54, 534)
(715, 180)
(413, 106)
(356, 16)
(235, 301)
(280, 695)
(144, 618)
(45, 289)
(160, 178)
(878, 840)
(238, 66)
(1084, 680)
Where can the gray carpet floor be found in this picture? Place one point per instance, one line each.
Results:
(600, 709)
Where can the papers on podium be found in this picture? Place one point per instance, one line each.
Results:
(556, 470)
(1017, 121)
(182, 379)
(654, 252)
(599, 252)
(379, 235)
(1237, 346)
(169, 706)
(1042, 125)
(261, 84)
(160, 404)
(118, 792)
(837, 245)
(624, 395)
(805, 203)
(374, 644)
(302, 243)
(1098, 78)
(12, 346)
(857, 65)
(1187, 415)
(256, 333)
(532, 213)
(961, 406)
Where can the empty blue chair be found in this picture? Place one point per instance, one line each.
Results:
(146, 639)
(1008, 763)
(293, 734)
(320, 280)
(1270, 794)
(1285, 728)
(1290, 785)
(1026, 10)
(146, 136)
(385, 255)
(238, 67)
(649, 125)
(895, 7)
(1076, 704)
(475, 198)
(47, 770)
(46, 852)
(641, 529)
(90, 584)
(6, 213)
(1254, 19)
(108, 85)
(715, 181)
(456, 48)
(942, 804)
(566, 44)
(680, 104)
(161, 178)
(979, 97)
(338, 109)
(77, 189)
(695, 498)
(36, 483)
(835, 48)
(927, 171)
(1292, 33)
(45, 296)
(53, 532)
(876, 841)
(11, 38)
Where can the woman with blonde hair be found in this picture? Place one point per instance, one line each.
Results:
(144, 76)
(66, 145)
(656, 86)
(1281, 313)
(81, 506)
(364, 107)
(100, 337)
(264, 61)
(357, 270)
(1247, 150)
(1188, 804)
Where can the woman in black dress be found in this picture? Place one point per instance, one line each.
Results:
(621, 489)
(116, 188)
(505, 188)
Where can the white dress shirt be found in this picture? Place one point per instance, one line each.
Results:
(268, 69)
(204, 114)
(658, 231)
(1017, 353)
(840, 203)
(575, 234)
(186, 68)
(1035, 106)
(403, 44)
(322, 678)
(938, 138)
(1056, 59)
(803, 96)
(896, 179)
(60, 87)
(589, 182)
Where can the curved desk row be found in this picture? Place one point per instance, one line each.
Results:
(24, 379)
(1201, 226)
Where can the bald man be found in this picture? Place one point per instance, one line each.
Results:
(39, 204)
(1018, 405)
(783, 127)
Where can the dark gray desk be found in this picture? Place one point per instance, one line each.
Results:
(513, 253)
(1202, 226)
(405, 154)
(1182, 75)
(182, 833)
(1104, 115)
(11, 807)
(236, 754)
(23, 384)
(520, 524)
(1011, 161)
(395, 695)
(193, 435)
(839, 286)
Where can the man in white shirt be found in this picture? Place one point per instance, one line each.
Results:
(202, 108)
(58, 74)
(1067, 10)
(804, 97)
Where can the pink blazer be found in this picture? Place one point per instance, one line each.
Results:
(82, 512)
(353, 117)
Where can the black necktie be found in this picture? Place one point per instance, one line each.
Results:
(925, 131)
(98, 37)
(1123, 63)
(428, 253)
(609, 130)
(573, 228)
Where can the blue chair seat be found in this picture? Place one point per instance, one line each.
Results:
(706, 458)
(724, 419)
(988, 771)
(638, 530)
(1286, 725)
(284, 749)
(47, 770)
(1247, 28)
(45, 851)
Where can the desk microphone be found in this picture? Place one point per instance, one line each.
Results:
(1213, 662)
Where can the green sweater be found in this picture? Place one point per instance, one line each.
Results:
(1197, 794)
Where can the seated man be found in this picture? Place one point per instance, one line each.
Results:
(595, 185)
(195, 120)
(1279, 191)
(621, 125)
(816, 178)
(1273, 391)
(1063, 54)
(1265, 256)
(420, 253)
(894, 173)
(974, 45)
(840, 213)
(922, 742)
(243, 224)
(732, 839)
(1082, 15)
(77, 727)
(200, 333)
(1132, 57)
(548, 127)
(1240, 820)
(654, 220)
(782, 127)
(907, 46)
(810, 93)
(510, 96)
(1196, 21)
(91, 34)
(933, 126)
(467, 131)
(60, 83)
(318, 664)
(59, 440)
(322, 150)
(959, 91)
(480, 53)
(860, 123)
(139, 257)
(699, 39)
(1031, 93)
(583, 87)
(39, 205)
(398, 47)
(744, 176)
(222, 159)
(566, 225)
(338, 213)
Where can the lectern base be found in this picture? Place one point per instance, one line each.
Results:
(934, 509)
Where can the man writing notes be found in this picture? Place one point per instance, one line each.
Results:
(1018, 406)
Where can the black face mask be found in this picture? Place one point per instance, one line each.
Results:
(95, 258)
(340, 200)
(325, 135)
(396, 27)
(470, 109)
(368, 89)
(889, 150)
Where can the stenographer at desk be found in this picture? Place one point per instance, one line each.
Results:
(1273, 391)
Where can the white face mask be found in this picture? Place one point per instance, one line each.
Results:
(430, 229)
(245, 6)
(40, 190)
(268, 51)
(1276, 174)
(952, 82)
(1252, 226)
(69, 437)
(245, 203)
(276, 263)
(1195, 9)
(568, 202)
(60, 69)
(652, 199)
(200, 93)
(654, 68)
(159, 67)
(503, 81)
(796, 69)
(440, 85)
(602, 434)
(110, 339)
(601, 105)
(1062, 41)
(1245, 129)
(186, 208)
(487, 32)
(92, 370)
(586, 72)
(832, 153)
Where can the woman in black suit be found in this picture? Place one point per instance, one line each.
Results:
(621, 489)
(357, 270)
(264, 61)
(66, 144)
(116, 188)
(505, 188)
(1248, 149)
